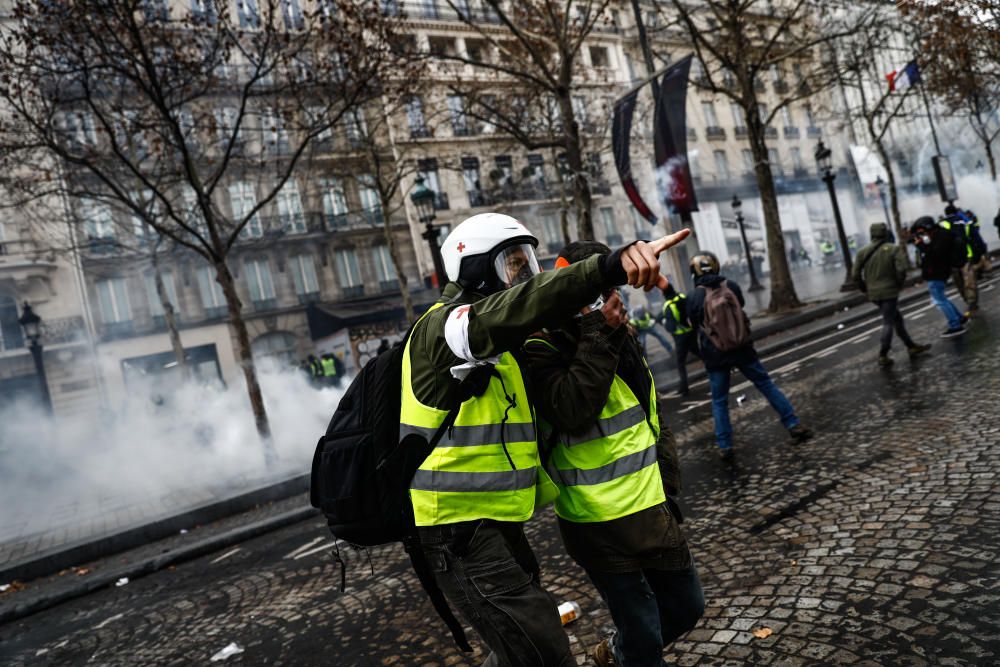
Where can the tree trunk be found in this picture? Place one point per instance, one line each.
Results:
(169, 317)
(991, 159)
(582, 196)
(228, 284)
(783, 295)
(397, 262)
(897, 224)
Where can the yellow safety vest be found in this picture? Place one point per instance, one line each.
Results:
(672, 305)
(329, 368)
(610, 471)
(468, 475)
(946, 224)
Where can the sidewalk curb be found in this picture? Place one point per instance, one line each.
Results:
(151, 564)
(134, 537)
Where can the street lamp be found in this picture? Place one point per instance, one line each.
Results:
(423, 199)
(881, 185)
(737, 206)
(824, 158)
(32, 325)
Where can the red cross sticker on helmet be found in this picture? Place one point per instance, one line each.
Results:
(461, 246)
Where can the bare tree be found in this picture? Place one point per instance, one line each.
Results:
(740, 42)
(876, 106)
(529, 56)
(222, 100)
(960, 40)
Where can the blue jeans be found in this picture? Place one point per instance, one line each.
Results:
(658, 335)
(650, 608)
(936, 289)
(718, 380)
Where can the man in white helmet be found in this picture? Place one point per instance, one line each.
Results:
(482, 480)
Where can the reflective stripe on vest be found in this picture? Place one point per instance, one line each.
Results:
(610, 471)
(672, 304)
(329, 368)
(468, 476)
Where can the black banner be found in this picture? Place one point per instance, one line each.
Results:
(621, 130)
(673, 173)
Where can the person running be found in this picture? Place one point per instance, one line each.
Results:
(645, 326)
(472, 494)
(938, 255)
(607, 447)
(880, 269)
(715, 309)
(675, 320)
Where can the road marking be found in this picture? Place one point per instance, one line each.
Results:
(108, 620)
(292, 554)
(322, 547)
(224, 556)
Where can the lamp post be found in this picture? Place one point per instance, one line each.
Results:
(737, 206)
(881, 185)
(423, 199)
(32, 325)
(824, 158)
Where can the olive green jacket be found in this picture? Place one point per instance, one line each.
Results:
(497, 323)
(884, 271)
(569, 387)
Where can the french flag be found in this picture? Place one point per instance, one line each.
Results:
(903, 78)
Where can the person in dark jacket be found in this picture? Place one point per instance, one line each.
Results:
(881, 265)
(675, 320)
(583, 377)
(720, 364)
(939, 255)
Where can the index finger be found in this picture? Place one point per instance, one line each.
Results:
(668, 241)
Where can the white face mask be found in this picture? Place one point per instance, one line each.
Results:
(925, 239)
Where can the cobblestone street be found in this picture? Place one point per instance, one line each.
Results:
(875, 543)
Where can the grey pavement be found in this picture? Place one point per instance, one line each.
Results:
(82, 527)
(874, 543)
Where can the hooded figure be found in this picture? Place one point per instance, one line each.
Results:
(881, 264)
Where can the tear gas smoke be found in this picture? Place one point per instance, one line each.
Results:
(154, 456)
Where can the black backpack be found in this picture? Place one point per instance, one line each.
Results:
(361, 472)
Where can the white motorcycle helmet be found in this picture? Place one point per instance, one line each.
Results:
(490, 252)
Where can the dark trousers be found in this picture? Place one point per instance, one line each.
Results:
(650, 608)
(489, 574)
(684, 343)
(892, 319)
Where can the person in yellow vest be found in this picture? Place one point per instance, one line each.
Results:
(608, 450)
(472, 494)
(675, 320)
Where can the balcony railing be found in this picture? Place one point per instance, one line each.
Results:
(781, 86)
(741, 132)
(122, 329)
(388, 285)
(308, 297)
(442, 11)
(791, 133)
(353, 291)
(440, 202)
(353, 220)
(213, 312)
(600, 186)
(814, 132)
(265, 304)
(479, 198)
(420, 132)
(771, 132)
(715, 132)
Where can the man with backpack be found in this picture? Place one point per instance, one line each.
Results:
(466, 418)
(606, 446)
(964, 226)
(879, 272)
(675, 320)
(715, 309)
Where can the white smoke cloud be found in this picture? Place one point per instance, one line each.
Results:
(157, 457)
